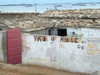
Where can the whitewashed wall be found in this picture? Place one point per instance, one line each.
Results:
(90, 32)
(87, 32)
(71, 30)
(1, 49)
(75, 57)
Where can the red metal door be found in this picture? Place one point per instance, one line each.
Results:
(14, 46)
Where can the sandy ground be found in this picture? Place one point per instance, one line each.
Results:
(6, 69)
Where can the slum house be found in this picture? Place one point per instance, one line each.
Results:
(78, 55)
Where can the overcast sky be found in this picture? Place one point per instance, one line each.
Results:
(43, 1)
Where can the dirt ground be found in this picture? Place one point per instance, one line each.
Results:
(7, 69)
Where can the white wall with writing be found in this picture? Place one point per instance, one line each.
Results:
(60, 55)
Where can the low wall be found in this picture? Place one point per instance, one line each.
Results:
(76, 55)
(1, 48)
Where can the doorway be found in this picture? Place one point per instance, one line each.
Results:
(62, 32)
(14, 46)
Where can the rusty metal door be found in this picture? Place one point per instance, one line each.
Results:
(14, 46)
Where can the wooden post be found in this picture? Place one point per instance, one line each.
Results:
(4, 45)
